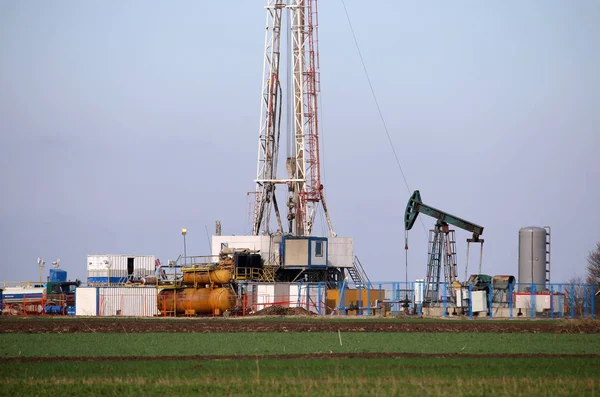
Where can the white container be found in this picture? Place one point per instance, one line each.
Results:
(307, 296)
(340, 252)
(282, 293)
(120, 267)
(542, 302)
(127, 301)
(86, 301)
(265, 296)
(263, 244)
(479, 301)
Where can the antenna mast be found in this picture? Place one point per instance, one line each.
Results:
(305, 190)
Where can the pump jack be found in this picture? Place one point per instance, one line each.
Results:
(442, 248)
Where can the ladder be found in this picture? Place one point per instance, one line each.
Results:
(548, 252)
(450, 268)
(432, 280)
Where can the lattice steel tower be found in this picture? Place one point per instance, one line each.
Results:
(304, 188)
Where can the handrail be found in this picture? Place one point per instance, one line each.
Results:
(361, 270)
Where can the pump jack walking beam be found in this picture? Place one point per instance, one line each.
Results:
(416, 206)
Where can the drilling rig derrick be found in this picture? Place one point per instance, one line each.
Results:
(303, 182)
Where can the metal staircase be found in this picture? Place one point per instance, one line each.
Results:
(270, 268)
(268, 273)
(358, 275)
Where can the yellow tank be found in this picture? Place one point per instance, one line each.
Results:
(196, 301)
(206, 277)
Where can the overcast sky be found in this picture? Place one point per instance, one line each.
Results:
(122, 122)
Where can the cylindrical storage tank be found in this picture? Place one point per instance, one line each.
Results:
(532, 258)
(207, 277)
(199, 300)
(149, 280)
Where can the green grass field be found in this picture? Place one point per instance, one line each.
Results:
(264, 343)
(261, 376)
(356, 377)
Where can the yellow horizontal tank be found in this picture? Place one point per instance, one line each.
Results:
(196, 276)
(197, 301)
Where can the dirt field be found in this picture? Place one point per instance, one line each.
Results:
(112, 325)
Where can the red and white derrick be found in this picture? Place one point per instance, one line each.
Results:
(304, 188)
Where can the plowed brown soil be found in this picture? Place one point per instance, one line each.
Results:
(114, 325)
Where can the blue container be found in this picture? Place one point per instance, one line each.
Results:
(53, 309)
(58, 275)
(71, 311)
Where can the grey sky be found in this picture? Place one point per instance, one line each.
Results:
(122, 122)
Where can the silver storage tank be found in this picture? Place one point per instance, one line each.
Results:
(532, 258)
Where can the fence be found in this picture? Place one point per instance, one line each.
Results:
(392, 299)
(385, 299)
(502, 300)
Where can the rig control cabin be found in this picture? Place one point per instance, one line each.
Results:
(286, 258)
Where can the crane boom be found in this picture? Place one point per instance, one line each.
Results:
(416, 206)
